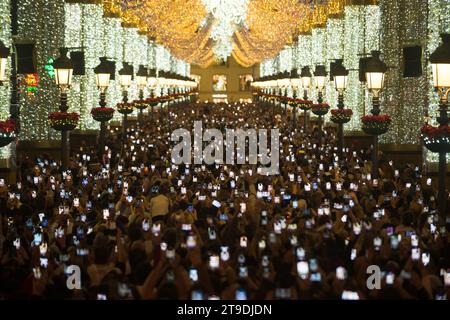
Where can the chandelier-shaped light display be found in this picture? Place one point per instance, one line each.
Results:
(227, 15)
(202, 31)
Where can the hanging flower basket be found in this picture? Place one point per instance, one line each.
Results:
(283, 99)
(320, 109)
(125, 108)
(304, 105)
(376, 125)
(140, 104)
(341, 115)
(436, 139)
(7, 132)
(63, 121)
(292, 102)
(152, 102)
(102, 114)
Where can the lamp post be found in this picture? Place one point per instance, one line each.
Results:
(162, 82)
(152, 81)
(141, 78)
(320, 75)
(102, 76)
(295, 84)
(4, 54)
(125, 80)
(375, 71)
(340, 75)
(63, 76)
(305, 76)
(440, 62)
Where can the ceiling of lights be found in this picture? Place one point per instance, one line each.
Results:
(204, 31)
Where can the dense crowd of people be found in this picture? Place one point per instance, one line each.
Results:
(140, 227)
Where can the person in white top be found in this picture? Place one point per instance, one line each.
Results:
(160, 205)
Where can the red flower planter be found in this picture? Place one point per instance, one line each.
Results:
(102, 114)
(7, 132)
(63, 121)
(152, 102)
(140, 104)
(436, 139)
(320, 109)
(376, 125)
(125, 108)
(341, 115)
(305, 105)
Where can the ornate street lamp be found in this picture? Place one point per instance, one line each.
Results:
(440, 63)
(375, 124)
(305, 76)
(102, 77)
(295, 84)
(4, 54)
(125, 80)
(63, 67)
(152, 81)
(340, 116)
(320, 76)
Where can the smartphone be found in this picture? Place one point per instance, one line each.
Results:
(300, 253)
(349, 295)
(43, 262)
(214, 262)
(145, 225)
(425, 258)
(216, 203)
(341, 273)
(414, 240)
(193, 274)
(241, 294)
(170, 254)
(243, 242)
(415, 254)
(156, 229)
(190, 241)
(302, 269)
(197, 295)
(17, 243)
(243, 272)
(37, 273)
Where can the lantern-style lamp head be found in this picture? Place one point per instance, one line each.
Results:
(305, 75)
(126, 75)
(4, 54)
(63, 69)
(320, 75)
(340, 75)
(375, 71)
(141, 77)
(102, 74)
(295, 79)
(440, 63)
(162, 81)
(151, 80)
